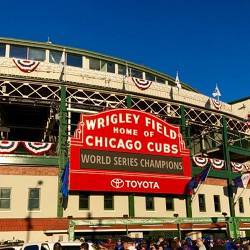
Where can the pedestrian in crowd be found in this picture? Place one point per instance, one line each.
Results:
(119, 245)
(200, 244)
(84, 246)
(57, 246)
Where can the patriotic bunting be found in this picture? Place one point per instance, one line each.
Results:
(217, 104)
(200, 161)
(37, 148)
(8, 146)
(217, 163)
(26, 66)
(237, 167)
(141, 84)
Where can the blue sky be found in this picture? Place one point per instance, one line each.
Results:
(207, 41)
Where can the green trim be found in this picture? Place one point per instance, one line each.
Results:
(86, 53)
(29, 160)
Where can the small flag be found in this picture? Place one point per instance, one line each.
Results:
(65, 181)
(199, 178)
(216, 92)
(62, 63)
(63, 58)
(242, 181)
(177, 81)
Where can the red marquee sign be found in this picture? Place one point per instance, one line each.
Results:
(125, 150)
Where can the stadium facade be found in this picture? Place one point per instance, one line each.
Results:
(93, 145)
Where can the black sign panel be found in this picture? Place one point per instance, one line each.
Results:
(103, 160)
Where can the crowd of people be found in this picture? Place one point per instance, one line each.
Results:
(126, 243)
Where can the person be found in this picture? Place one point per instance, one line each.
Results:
(84, 246)
(119, 245)
(57, 246)
(200, 244)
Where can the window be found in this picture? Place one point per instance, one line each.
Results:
(107, 67)
(2, 50)
(170, 203)
(36, 54)
(241, 205)
(108, 202)
(150, 203)
(5, 198)
(160, 80)
(18, 51)
(150, 77)
(122, 69)
(135, 73)
(83, 201)
(27, 53)
(55, 56)
(74, 60)
(110, 67)
(94, 64)
(34, 199)
(217, 207)
(202, 203)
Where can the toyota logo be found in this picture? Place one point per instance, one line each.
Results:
(117, 183)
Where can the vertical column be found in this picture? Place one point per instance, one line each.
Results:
(232, 227)
(131, 198)
(62, 147)
(228, 166)
(185, 136)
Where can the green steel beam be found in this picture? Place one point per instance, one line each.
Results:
(221, 174)
(240, 151)
(185, 133)
(131, 198)
(62, 147)
(228, 166)
(233, 229)
(131, 205)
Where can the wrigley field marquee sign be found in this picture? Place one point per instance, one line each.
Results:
(125, 150)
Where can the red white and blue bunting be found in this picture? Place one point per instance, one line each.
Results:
(238, 167)
(26, 66)
(217, 163)
(37, 148)
(200, 161)
(217, 104)
(141, 83)
(8, 146)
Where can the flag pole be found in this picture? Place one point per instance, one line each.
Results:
(199, 185)
(239, 196)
